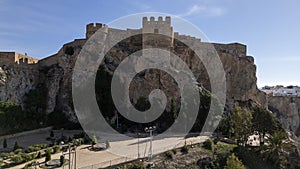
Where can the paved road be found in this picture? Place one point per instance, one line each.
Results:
(124, 150)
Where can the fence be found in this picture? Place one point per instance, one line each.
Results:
(122, 160)
(110, 163)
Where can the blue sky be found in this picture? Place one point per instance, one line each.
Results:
(269, 28)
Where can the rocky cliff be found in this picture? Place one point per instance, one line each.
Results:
(16, 81)
(55, 74)
(287, 110)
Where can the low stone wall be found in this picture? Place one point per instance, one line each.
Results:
(25, 133)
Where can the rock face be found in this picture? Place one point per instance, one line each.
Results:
(55, 72)
(287, 110)
(16, 81)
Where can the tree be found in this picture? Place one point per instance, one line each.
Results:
(62, 160)
(209, 144)
(224, 126)
(107, 144)
(17, 159)
(5, 143)
(51, 134)
(264, 123)
(277, 144)
(233, 162)
(16, 146)
(241, 125)
(48, 155)
(94, 141)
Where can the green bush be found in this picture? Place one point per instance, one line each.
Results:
(39, 155)
(40, 146)
(185, 149)
(48, 155)
(56, 149)
(169, 154)
(233, 162)
(10, 154)
(215, 141)
(18, 151)
(80, 141)
(62, 160)
(136, 165)
(282, 162)
(94, 141)
(174, 151)
(51, 134)
(16, 146)
(14, 119)
(43, 146)
(4, 155)
(30, 149)
(28, 157)
(209, 144)
(17, 159)
(107, 144)
(5, 143)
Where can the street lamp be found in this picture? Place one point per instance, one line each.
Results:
(72, 150)
(150, 130)
(138, 135)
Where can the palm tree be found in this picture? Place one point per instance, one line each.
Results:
(277, 147)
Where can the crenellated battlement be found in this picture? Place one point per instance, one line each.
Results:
(92, 28)
(159, 21)
(152, 27)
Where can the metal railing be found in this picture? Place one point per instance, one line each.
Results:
(110, 163)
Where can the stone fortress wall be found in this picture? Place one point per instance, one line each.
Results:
(150, 26)
(11, 58)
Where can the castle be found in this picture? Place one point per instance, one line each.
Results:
(55, 71)
(150, 27)
(21, 73)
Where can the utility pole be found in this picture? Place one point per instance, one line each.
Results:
(75, 157)
(138, 135)
(69, 157)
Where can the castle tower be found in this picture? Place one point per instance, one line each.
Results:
(92, 28)
(152, 30)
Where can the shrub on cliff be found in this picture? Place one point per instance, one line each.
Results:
(233, 162)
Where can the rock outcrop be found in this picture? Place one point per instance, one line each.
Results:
(16, 81)
(287, 110)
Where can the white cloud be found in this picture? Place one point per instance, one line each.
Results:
(203, 10)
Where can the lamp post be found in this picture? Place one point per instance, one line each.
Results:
(150, 130)
(72, 150)
(138, 135)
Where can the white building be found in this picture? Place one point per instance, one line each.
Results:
(293, 91)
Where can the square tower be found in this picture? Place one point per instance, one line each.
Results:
(157, 33)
